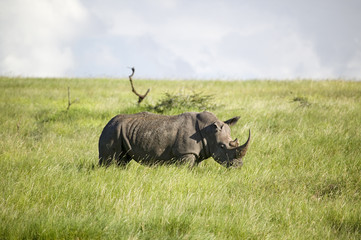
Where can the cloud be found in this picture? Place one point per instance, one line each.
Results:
(330, 26)
(270, 53)
(37, 35)
(181, 39)
(353, 68)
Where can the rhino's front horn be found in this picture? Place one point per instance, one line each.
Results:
(242, 150)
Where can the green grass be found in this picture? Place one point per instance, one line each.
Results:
(300, 179)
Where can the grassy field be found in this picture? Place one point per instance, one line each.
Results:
(300, 179)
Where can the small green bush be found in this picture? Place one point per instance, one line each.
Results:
(183, 101)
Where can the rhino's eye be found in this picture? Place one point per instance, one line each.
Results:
(222, 145)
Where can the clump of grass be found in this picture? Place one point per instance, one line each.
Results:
(303, 101)
(330, 189)
(345, 223)
(184, 101)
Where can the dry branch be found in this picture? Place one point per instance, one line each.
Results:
(69, 100)
(141, 97)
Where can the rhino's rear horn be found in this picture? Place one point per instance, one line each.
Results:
(242, 150)
(234, 143)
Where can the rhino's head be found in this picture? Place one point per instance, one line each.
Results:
(226, 151)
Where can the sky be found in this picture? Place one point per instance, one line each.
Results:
(181, 39)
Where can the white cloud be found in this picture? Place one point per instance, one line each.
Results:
(39, 61)
(181, 39)
(353, 67)
(36, 36)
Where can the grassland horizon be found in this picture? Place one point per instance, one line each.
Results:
(300, 179)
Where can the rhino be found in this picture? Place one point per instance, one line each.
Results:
(188, 138)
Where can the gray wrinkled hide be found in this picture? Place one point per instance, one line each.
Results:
(157, 139)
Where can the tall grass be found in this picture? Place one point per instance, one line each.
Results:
(300, 179)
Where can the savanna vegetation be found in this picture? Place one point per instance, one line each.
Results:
(300, 179)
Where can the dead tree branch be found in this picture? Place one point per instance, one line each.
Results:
(141, 97)
(69, 101)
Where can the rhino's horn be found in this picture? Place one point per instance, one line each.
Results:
(234, 143)
(242, 150)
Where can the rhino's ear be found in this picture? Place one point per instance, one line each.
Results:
(232, 121)
(218, 126)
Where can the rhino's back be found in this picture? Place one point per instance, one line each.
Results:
(152, 136)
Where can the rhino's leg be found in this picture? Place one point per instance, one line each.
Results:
(104, 159)
(188, 159)
(123, 160)
(112, 149)
(107, 152)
